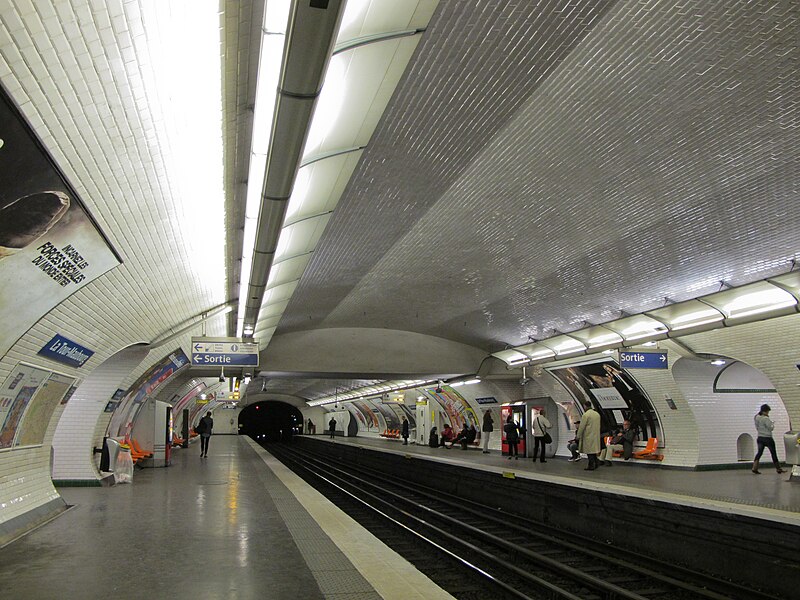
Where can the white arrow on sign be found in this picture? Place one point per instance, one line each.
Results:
(663, 357)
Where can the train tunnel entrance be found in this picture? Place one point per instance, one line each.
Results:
(270, 421)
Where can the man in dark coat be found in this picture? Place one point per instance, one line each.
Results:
(404, 431)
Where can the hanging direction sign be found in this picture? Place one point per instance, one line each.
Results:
(644, 360)
(224, 352)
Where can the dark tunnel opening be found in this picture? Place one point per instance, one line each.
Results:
(270, 422)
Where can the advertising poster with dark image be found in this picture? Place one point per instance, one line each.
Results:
(613, 393)
(49, 245)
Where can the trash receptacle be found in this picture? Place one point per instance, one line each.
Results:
(112, 447)
(123, 472)
(792, 449)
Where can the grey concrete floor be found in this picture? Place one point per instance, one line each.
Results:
(201, 528)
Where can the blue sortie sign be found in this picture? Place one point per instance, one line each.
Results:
(66, 351)
(643, 360)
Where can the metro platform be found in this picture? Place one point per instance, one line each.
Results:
(734, 491)
(237, 524)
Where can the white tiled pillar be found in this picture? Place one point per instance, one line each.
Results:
(75, 435)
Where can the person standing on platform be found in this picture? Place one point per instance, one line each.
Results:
(512, 437)
(206, 425)
(540, 427)
(332, 427)
(589, 435)
(764, 427)
(486, 430)
(310, 427)
(404, 431)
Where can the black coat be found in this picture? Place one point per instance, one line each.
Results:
(512, 435)
(405, 429)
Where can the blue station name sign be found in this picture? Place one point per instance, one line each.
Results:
(644, 360)
(66, 351)
(224, 352)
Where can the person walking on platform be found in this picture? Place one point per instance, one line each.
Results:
(589, 435)
(404, 431)
(764, 427)
(540, 435)
(512, 437)
(486, 430)
(332, 427)
(205, 426)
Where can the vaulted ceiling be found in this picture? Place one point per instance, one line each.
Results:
(539, 165)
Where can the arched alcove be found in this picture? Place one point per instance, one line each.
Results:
(724, 395)
(75, 435)
(745, 447)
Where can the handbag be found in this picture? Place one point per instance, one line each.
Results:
(546, 437)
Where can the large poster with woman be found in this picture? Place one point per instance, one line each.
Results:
(49, 245)
(613, 393)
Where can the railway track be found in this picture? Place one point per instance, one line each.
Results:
(475, 551)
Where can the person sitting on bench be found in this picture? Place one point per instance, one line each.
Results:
(447, 435)
(621, 442)
(433, 439)
(469, 437)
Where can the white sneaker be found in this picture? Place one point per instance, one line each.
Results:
(571, 459)
(579, 458)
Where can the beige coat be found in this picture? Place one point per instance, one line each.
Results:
(589, 432)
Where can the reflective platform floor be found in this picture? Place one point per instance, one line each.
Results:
(235, 525)
(738, 491)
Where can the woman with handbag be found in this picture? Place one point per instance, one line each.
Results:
(540, 436)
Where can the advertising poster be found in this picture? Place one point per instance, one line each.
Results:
(33, 425)
(114, 402)
(15, 395)
(49, 245)
(122, 421)
(389, 416)
(68, 396)
(455, 407)
(359, 417)
(613, 393)
(189, 396)
(401, 410)
(370, 418)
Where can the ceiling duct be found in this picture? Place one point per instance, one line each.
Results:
(310, 39)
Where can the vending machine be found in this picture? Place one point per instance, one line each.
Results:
(162, 434)
(518, 413)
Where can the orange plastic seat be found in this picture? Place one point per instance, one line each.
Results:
(135, 446)
(650, 449)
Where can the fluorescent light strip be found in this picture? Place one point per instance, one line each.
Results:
(273, 39)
